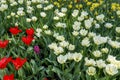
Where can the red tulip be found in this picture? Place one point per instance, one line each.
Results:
(4, 61)
(15, 30)
(27, 40)
(18, 62)
(8, 77)
(3, 44)
(30, 31)
(45, 78)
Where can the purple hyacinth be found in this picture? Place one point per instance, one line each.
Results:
(37, 49)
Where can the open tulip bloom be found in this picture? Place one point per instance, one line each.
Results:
(30, 31)
(14, 30)
(8, 77)
(3, 44)
(27, 40)
(4, 61)
(18, 62)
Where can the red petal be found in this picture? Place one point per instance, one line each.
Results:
(18, 62)
(30, 31)
(8, 77)
(3, 44)
(4, 61)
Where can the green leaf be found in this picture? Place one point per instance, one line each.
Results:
(103, 78)
(54, 62)
(21, 73)
(1, 74)
(57, 71)
(22, 47)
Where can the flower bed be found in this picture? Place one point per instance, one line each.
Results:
(59, 40)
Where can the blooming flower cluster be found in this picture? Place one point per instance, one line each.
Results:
(26, 39)
(79, 39)
(18, 63)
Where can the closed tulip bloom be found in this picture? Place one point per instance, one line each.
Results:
(36, 49)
